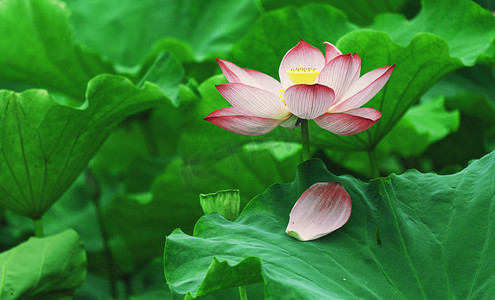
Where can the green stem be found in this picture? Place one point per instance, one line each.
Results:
(108, 252)
(149, 138)
(305, 140)
(38, 228)
(375, 172)
(242, 292)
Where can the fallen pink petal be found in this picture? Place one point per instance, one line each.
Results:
(327, 88)
(322, 208)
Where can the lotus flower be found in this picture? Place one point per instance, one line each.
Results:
(326, 88)
(321, 209)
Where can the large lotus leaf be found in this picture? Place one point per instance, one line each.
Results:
(38, 49)
(410, 236)
(45, 145)
(467, 28)
(127, 29)
(475, 80)
(422, 125)
(167, 73)
(472, 140)
(361, 12)
(42, 267)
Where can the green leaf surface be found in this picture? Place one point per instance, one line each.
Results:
(468, 28)
(361, 12)
(410, 236)
(174, 198)
(472, 140)
(45, 145)
(38, 48)
(423, 124)
(41, 267)
(125, 29)
(167, 73)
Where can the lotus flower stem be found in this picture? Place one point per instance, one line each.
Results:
(108, 252)
(375, 172)
(38, 228)
(147, 131)
(93, 188)
(242, 292)
(305, 140)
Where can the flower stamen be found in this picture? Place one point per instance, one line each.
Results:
(281, 95)
(303, 75)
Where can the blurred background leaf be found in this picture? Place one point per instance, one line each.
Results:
(128, 29)
(43, 268)
(38, 49)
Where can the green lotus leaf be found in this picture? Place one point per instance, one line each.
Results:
(423, 125)
(127, 29)
(468, 28)
(45, 145)
(361, 12)
(43, 267)
(410, 236)
(38, 49)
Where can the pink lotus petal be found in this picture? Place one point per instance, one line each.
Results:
(266, 82)
(290, 123)
(236, 121)
(340, 73)
(253, 100)
(351, 122)
(235, 74)
(303, 55)
(331, 52)
(321, 209)
(363, 89)
(308, 101)
(357, 68)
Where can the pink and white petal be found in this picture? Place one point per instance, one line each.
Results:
(357, 68)
(264, 81)
(321, 209)
(290, 123)
(349, 122)
(233, 73)
(339, 73)
(363, 89)
(303, 55)
(308, 101)
(255, 101)
(236, 121)
(330, 52)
